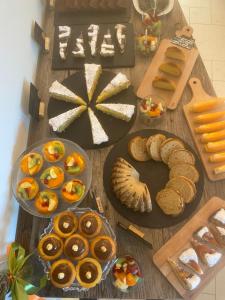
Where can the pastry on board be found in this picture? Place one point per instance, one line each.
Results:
(65, 224)
(170, 68)
(46, 202)
(120, 111)
(218, 218)
(217, 157)
(168, 146)
(107, 46)
(78, 50)
(92, 75)
(103, 248)
(215, 146)
(121, 36)
(137, 149)
(27, 189)
(60, 92)
(179, 156)
(163, 84)
(209, 117)
(219, 170)
(73, 190)
(52, 177)
(170, 201)
(31, 163)
(204, 234)
(74, 163)
(62, 273)
(53, 151)
(64, 36)
(99, 135)
(206, 105)
(76, 247)
(213, 136)
(190, 258)
(50, 247)
(153, 146)
(90, 224)
(175, 53)
(93, 32)
(119, 83)
(210, 127)
(186, 170)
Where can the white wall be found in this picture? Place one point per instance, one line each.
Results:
(18, 59)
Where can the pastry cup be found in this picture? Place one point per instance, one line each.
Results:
(72, 241)
(74, 164)
(53, 157)
(72, 196)
(59, 269)
(99, 248)
(53, 183)
(71, 224)
(85, 271)
(36, 167)
(28, 187)
(58, 244)
(90, 224)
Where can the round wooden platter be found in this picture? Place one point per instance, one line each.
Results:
(155, 175)
(80, 130)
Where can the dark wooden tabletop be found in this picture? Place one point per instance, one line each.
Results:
(154, 286)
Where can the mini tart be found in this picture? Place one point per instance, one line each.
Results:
(73, 190)
(65, 224)
(89, 272)
(54, 151)
(74, 163)
(46, 202)
(50, 247)
(27, 189)
(31, 163)
(90, 224)
(103, 248)
(52, 177)
(76, 247)
(62, 273)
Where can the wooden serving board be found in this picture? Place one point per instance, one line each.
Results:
(199, 94)
(172, 98)
(181, 241)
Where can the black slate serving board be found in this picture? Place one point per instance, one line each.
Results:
(80, 130)
(127, 59)
(155, 175)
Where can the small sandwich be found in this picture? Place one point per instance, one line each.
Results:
(163, 84)
(98, 133)
(175, 53)
(190, 258)
(205, 235)
(219, 218)
(219, 233)
(92, 75)
(189, 281)
(120, 111)
(60, 92)
(208, 256)
(171, 69)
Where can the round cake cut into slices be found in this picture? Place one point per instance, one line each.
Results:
(156, 142)
(185, 170)
(168, 146)
(184, 186)
(137, 149)
(170, 201)
(180, 156)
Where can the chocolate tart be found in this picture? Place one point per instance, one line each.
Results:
(31, 163)
(90, 224)
(50, 247)
(62, 273)
(76, 247)
(103, 248)
(65, 224)
(52, 177)
(46, 202)
(53, 151)
(89, 272)
(73, 190)
(27, 189)
(74, 163)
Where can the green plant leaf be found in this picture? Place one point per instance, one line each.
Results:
(20, 292)
(30, 288)
(12, 258)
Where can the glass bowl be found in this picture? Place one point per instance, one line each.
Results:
(147, 43)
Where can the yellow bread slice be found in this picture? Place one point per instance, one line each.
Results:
(213, 136)
(170, 202)
(217, 157)
(175, 53)
(211, 127)
(215, 146)
(157, 140)
(210, 117)
(163, 84)
(186, 170)
(180, 156)
(168, 146)
(137, 149)
(206, 105)
(219, 170)
(171, 69)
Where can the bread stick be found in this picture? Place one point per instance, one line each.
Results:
(211, 127)
(215, 146)
(210, 117)
(213, 136)
(206, 105)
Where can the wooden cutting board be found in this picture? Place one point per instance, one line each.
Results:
(181, 241)
(199, 94)
(172, 98)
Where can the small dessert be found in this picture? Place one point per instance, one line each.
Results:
(103, 248)
(186, 170)
(153, 146)
(188, 280)
(190, 258)
(151, 109)
(127, 273)
(92, 75)
(31, 163)
(205, 235)
(170, 202)
(62, 273)
(219, 233)
(119, 83)
(89, 272)
(168, 146)
(219, 218)
(210, 127)
(164, 84)
(147, 43)
(74, 163)
(53, 151)
(64, 36)
(175, 53)
(120, 111)
(209, 117)
(27, 189)
(65, 224)
(99, 135)
(52, 177)
(90, 224)
(46, 202)
(50, 247)
(213, 136)
(206, 105)
(73, 190)
(171, 69)
(137, 149)
(121, 37)
(179, 156)
(78, 51)
(107, 47)
(60, 92)
(93, 31)
(76, 247)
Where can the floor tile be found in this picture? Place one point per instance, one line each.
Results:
(219, 87)
(218, 68)
(195, 3)
(210, 288)
(208, 66)
(218, 12)
(220, 285)
(200, 15)
(186, 11)
(206, 297)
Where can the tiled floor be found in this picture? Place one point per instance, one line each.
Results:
(207, 17)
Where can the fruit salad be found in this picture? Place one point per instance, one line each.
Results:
(152, 108)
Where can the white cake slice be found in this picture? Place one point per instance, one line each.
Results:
(98, 134)
(92, 75)
(120, 111)
(60, 92)
(62, 121)
(118, 83)
(93, 31)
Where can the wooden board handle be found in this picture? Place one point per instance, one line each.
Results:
(186, 31)
(197, 89)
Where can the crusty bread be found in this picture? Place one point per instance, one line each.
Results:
(137, 149)
(186, 170)
(170, 201)
(179, 156)
(156, 142)
(148, 144)
(184, 186)
(168, 146)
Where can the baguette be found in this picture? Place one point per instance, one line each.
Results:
(211, 127)
(210, 117)
(206, 105)
(213, 136)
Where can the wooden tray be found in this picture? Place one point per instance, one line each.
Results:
(200, 95)
(172, 98)
(180, 241)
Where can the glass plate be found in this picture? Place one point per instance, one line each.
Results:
(85, 176)
(106, 230)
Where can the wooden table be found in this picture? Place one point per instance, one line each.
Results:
(154, 286)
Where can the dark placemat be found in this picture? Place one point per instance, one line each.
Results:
(80, 130)
(127, 59)
(155, 175)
